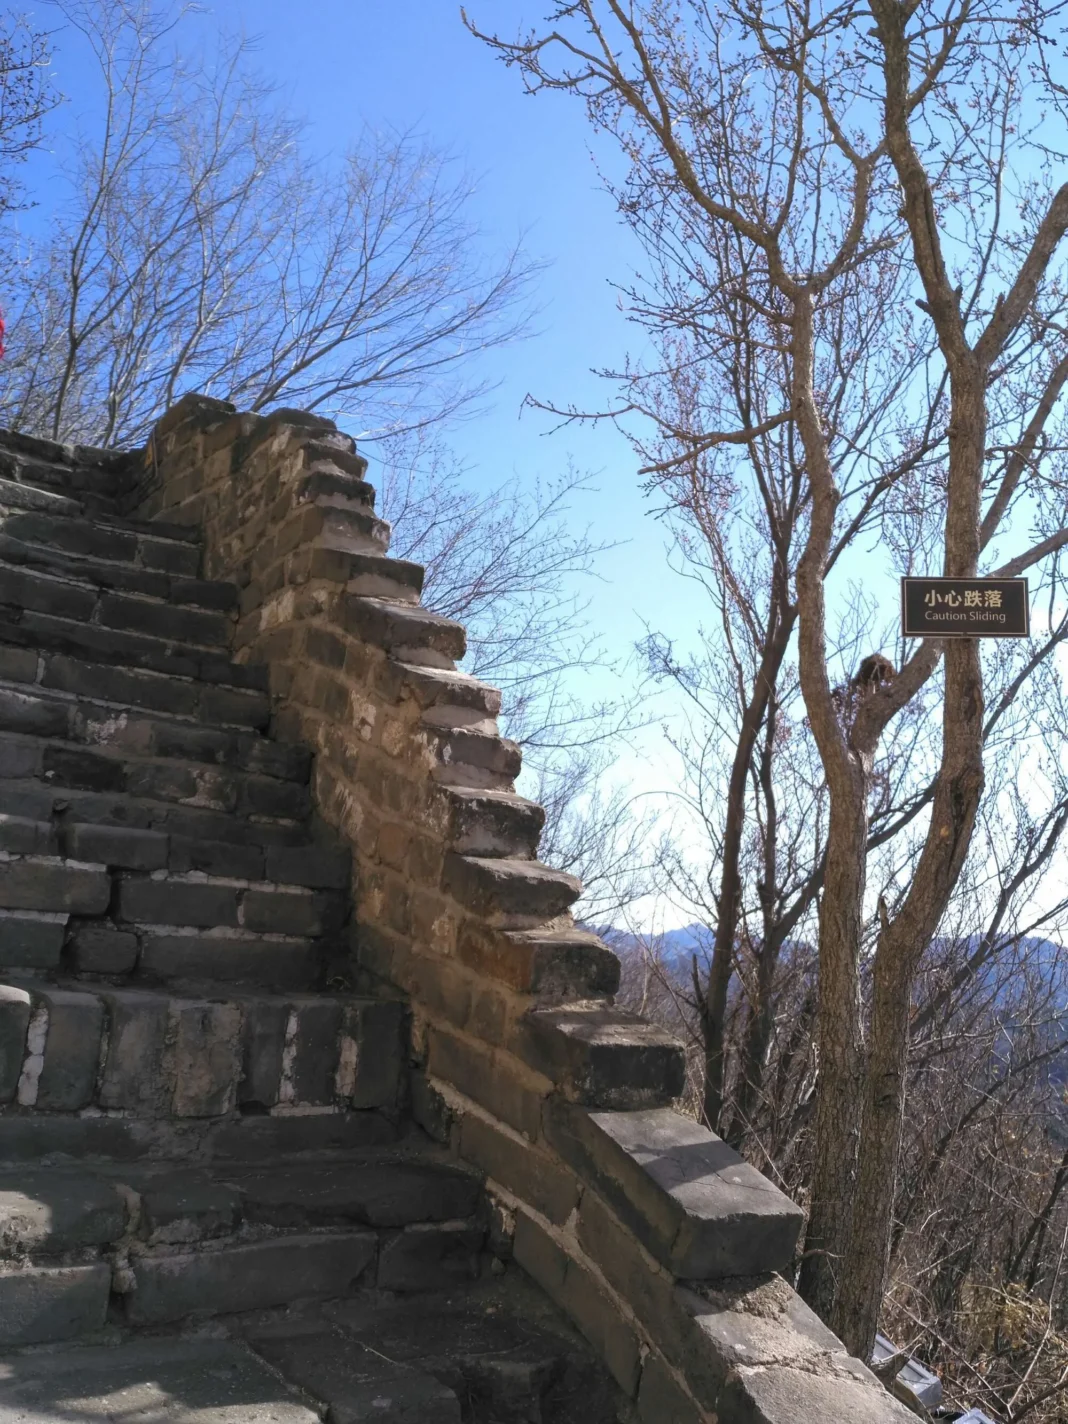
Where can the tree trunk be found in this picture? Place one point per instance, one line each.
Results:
(841, 1053)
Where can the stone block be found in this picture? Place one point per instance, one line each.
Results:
(72, 1049)
(396, 627)
(134, 1077)
(44, 1303)
(100, 948)
(119, 846)
(15, 1009)
(603, 1057)
(18, 664)
(377, 1028)
(517, 894)
(429, 1107)
(19, 835)
(249, 1277)
(207, 1058)
(490, 823)
(289, 912)
(687, 1196)
(359, 1385)
(49, 883)
(176, 901)
(31, 939)
(524, 1170)
(229, 957)
(317, 866)
(772, 1394)
(189, 1206)
(253, 1138)
(52, 1212)
(387, 1189)
(310, 1056)
(431, 1256)
(489, 1078)
(581, 1296)
(263, 1042)
(556, 966)
(662, 1399)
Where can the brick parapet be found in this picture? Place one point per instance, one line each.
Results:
(513, 1023)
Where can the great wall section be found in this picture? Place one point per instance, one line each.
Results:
(315, 1102)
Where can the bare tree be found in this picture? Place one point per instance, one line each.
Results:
(194, 244)
(25, 98)
(838, 154)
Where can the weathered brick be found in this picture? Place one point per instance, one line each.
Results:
(207, 1056)
(133, 1076)
(513, 893)
(116, 845)
(603, 1057)
(15, 1009)
(490, 1078)
(43, 1303)
(31, 939)
(430, 1256)
(72, 1049)
(60, 886)
(580, 1295)
(100, 948)
(377, 1029)
(530, 1174)
(248, 1277)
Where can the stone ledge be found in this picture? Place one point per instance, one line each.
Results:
(688, 1197)
(603, 1057)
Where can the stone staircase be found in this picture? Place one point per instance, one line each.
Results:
(199, 1118)
(300, 1122)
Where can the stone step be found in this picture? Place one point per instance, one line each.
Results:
(210, 902)
(49, 1212)
(410, 633)
(126, 688)
(168, 1380)
(509, 893)
(474, 758)
(104, 729)
(499, 1345)
(40, 591)
(43, 941)
(97, 479)
(197, 1242)
(165, 548)
(162, 903)
(30, 1139)
(122, 577)
(356, 1383)
(160, 1055)
(223, 789)
(200, 837)
(187, 958)
(89, 642)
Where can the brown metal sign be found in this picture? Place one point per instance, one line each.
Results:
(965, 608)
